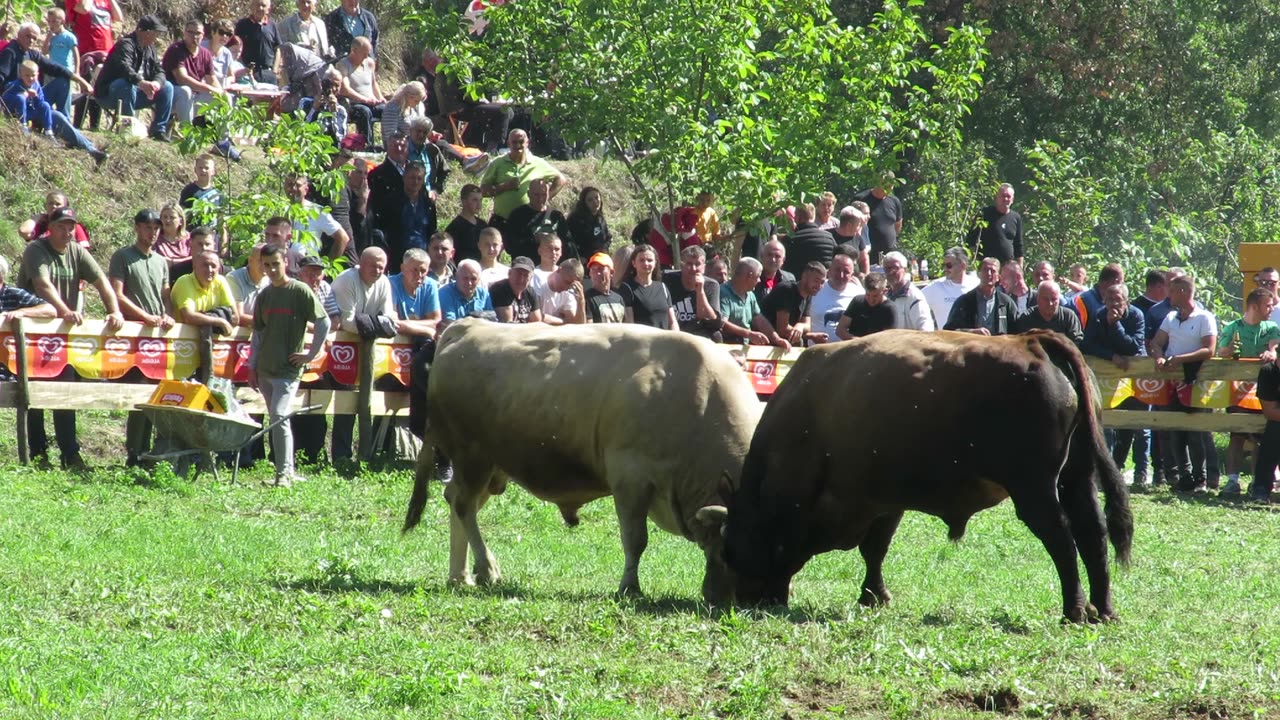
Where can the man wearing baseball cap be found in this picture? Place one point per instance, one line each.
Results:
(52, 268)
(140, 278)
(132, 77)
(513, 300)
(603, 304)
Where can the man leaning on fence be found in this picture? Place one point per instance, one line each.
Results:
(1252, 336)
(18, 303)
(53, 268)
(1116, 333)
(140, 278)
(1186, 338)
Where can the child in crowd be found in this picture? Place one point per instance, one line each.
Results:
(491, 271)
(24, 99)
(201, 188)
(63, 49)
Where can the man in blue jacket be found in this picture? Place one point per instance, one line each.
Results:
(1117, 332)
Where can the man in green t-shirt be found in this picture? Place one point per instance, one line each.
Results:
(140, 280)
(280, 317)
(507, 178)
(1252, 336)
(52, 269)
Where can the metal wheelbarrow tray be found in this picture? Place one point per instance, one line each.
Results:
(201, 433)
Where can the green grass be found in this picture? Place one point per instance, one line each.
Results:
(129, 597)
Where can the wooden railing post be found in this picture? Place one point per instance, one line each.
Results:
(24, 398)
(206, 355)
(364, 396)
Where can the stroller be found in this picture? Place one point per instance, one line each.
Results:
(312, 90)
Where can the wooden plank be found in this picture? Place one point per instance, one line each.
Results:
(1245, 370)
(23, 399)
(1202, 422)
(123, 396)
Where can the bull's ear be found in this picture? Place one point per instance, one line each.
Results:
(712, 516)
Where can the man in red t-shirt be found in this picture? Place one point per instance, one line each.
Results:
(189, 66)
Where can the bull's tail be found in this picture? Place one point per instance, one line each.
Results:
(421, 484)
(1116, 506)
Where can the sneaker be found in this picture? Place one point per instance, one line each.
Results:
(41, 462)
(1140, 480)
(280, 481)
(1232, 488)
(99, 159)
(1127, 476)
(475, 165)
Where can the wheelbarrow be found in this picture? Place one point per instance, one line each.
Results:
(198, 434)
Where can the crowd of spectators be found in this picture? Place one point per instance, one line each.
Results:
(810, 274)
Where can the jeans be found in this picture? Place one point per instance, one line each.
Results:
(185, 102)
(129, 99)
(68, 134)
(1184, 453)
(1121, 440)
(1266, 459)
(279, 394)
(38, 114)
(58, 92)
(64, 428)
(363, 116)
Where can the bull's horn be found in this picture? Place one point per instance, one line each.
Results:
(712, 515)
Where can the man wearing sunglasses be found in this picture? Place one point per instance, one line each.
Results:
(942, 293)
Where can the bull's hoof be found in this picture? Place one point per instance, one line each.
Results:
(872, 597)
(462, 580)
(1077, 615)
(487, 576)
(631, 592)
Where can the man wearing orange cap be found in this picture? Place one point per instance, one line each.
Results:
(603, 304)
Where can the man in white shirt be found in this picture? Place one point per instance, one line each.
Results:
(942, 293)
(321, 224)
(365, 290)
(829, 304)
(908, 302)
(1186, 337)
(561, 297)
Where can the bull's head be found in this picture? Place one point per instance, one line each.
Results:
(753, 565)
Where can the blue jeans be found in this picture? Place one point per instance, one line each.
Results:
(58, 92)
(68, 133)
(129, 99)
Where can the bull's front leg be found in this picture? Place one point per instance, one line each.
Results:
(464, 533)
(631, 503)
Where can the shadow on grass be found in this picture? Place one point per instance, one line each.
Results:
(1209, 499)
(333, 584)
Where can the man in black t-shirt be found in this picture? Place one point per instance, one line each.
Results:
(533, 219)
(695, 296)
(1268, 453)
(513, 299)
(868, 313)
(787, 307)
(997, 231)
(886, 216)
(808, 242)
(603, 304)
(260, 42)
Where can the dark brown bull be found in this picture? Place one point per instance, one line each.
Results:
(943, 423)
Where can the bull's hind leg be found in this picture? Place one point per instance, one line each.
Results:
(874, 546)
(1080, 499)
(466, 494)
(631, 501)
(1037, 506)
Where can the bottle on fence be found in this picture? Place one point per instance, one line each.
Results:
(924, 269)
(1235, 345)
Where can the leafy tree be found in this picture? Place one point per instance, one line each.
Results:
(251, 193)
(754, 100)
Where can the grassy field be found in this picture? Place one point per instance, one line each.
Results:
(127, 596)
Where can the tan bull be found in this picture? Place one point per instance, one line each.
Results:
(654, 418)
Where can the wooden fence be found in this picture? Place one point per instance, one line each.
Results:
(92, 352)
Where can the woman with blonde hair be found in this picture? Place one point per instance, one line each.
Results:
(174, 243)
(406, 104)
